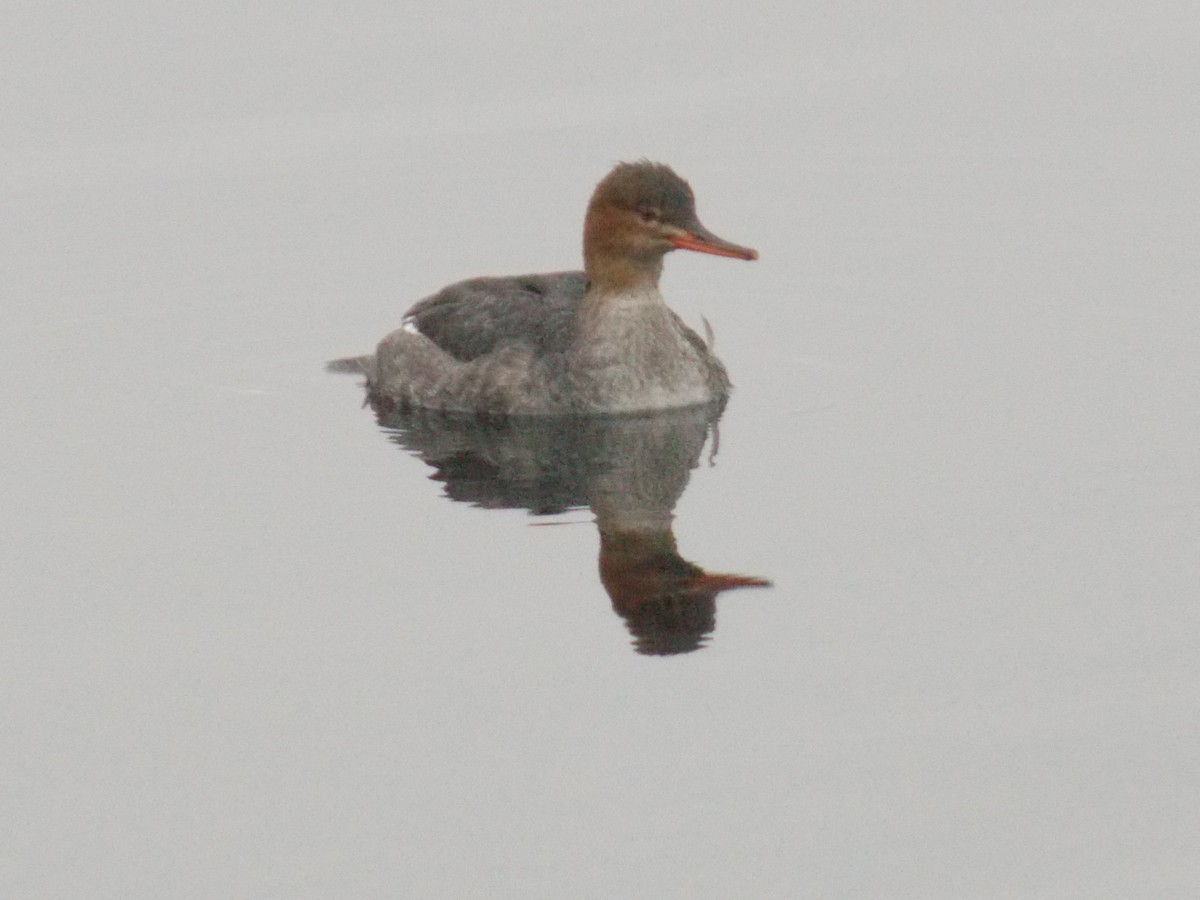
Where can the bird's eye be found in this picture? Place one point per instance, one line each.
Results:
(648, 214)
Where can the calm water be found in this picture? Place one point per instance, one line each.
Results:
(258, 644)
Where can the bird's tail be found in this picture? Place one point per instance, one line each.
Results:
(352, 365)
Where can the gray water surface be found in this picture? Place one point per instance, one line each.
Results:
(252, 649)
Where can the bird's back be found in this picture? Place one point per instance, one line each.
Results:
(473, 318)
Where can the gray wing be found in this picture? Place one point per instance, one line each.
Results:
(470, 318)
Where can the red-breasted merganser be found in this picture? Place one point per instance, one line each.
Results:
(566, 343)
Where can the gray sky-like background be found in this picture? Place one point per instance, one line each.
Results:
(249, 649)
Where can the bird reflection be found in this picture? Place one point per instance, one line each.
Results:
(629, 470)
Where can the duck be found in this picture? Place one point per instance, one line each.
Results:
(601, 341)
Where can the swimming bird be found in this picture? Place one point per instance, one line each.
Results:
(600, 341)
